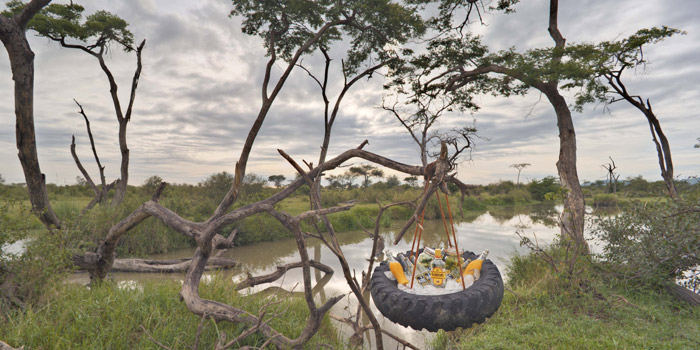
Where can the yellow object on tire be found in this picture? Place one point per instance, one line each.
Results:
(397, 271)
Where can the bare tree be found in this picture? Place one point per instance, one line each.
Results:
(663, 148)
(100, 193)
(520, 167)
(13, 25)
(612, 177)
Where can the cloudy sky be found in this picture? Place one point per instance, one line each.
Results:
(200, 91)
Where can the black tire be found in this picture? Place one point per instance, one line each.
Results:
(434, 312)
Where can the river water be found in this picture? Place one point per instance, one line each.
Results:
(494, 230)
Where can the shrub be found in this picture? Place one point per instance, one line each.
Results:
(653, 243)
(605, 200)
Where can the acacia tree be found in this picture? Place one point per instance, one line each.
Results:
(13, 25)
(520, 167)
(277, 179)
(289, 31)
(63, 23)
(367, 171)
(458, 63)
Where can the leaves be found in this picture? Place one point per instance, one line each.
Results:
(652, 243)
(370, 26)
(65, 21)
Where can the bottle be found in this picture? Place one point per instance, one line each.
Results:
(421, 272)
(454, 273)
(474, 267)
(396, 269)
(437, 272)
(425, 258)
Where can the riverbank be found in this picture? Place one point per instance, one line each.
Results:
(540, 310)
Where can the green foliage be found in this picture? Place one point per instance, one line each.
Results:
(605, 200)
(539, 189)
(392, 181)
(652, 243)
(110, 316)
(63, 21)
(277, 179)
(367, 171)
(367, 25)
(152, 183)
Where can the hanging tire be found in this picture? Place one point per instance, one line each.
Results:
(434, 312)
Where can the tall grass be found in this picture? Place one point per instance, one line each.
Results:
(110, 316)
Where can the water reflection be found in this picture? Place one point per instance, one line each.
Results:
(493, 230)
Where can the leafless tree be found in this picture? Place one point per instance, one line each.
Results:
(612, 177)
(663, 148)
(100, 193)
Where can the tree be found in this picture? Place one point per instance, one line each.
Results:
(520, 167)
(95, 36)
(392, 181)
(13, 25)
(152, 183)
(612, 177)
(277, 179)
(80, 181)
(411, 180)
(367, 171)
(458, 63)
(2, 180)
(627, 54)
(697, 145)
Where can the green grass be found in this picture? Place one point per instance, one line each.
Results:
(593, 314)
(110, 317)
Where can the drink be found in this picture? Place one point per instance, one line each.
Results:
(474, 267)
(438, 272)
(396, 269)
(425, 258)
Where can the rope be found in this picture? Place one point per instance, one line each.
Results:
(454, 235)
(418, 233)
(444, 222)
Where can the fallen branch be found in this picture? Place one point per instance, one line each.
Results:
(251, 281)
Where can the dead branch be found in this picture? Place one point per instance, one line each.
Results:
(251, 281)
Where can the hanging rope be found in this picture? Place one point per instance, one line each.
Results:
(444, 222)
(418, 233)
(454, 235)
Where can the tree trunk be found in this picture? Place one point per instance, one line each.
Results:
(22, 64)
(572, 218)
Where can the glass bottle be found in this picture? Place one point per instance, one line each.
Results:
(438, 272)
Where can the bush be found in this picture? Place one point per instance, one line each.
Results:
(540, 189)
(605, 200)
(653, 243)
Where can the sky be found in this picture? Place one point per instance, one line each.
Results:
(200, 91)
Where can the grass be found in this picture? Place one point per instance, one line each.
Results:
(594, 314)
(110, 317)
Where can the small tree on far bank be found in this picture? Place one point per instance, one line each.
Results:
(277, 180)
(411, 180)
(367, 171)
(520, 167)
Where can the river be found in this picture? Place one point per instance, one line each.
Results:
(494, 230)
